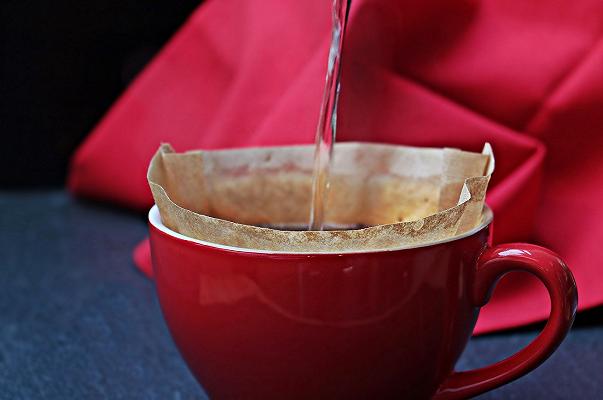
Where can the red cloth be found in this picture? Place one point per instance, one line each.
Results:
(525, 76)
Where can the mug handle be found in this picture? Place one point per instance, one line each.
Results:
(492, 264)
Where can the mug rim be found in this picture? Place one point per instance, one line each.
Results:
(154, 218)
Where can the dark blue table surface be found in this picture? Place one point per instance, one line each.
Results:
(77, 321)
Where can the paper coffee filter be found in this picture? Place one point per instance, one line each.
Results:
(407, 196)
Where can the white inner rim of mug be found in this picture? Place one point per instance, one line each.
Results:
(155, 220)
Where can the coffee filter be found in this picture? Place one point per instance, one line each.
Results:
(406, 196)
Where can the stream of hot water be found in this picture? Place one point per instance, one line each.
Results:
(327, 122)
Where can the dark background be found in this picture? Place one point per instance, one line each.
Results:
(63, 65)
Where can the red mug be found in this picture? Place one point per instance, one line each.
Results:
(255, 324)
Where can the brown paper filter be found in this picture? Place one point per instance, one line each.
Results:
(407, 196)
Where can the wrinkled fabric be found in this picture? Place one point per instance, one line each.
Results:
(524, 76)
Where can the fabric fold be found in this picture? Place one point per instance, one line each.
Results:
(434, 73)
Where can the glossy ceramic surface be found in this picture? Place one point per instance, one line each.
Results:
(388, 324)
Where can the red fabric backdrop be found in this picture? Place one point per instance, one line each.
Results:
(525, 76)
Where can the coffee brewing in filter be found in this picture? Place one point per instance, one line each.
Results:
(406, 196)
